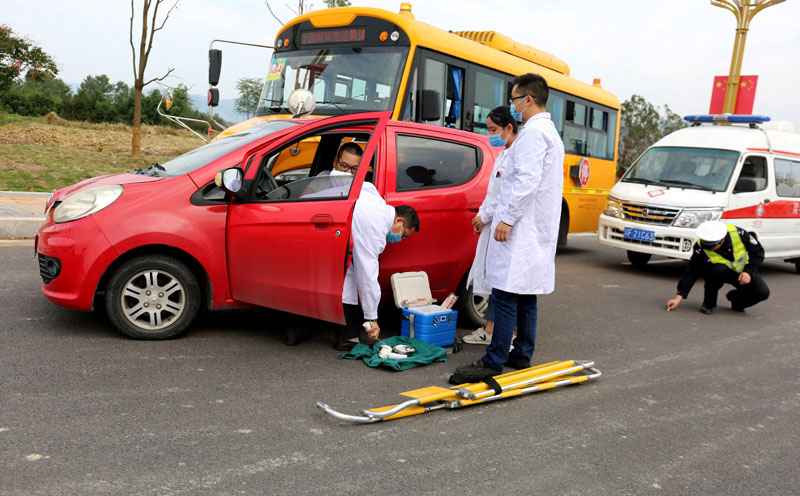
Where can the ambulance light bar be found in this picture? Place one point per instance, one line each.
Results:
(731, 118)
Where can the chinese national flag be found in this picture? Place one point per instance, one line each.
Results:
(744, 98)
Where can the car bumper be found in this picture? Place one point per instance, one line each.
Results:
(674, 242)
(72, 258)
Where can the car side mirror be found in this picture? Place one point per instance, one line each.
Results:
(230, 180)
(430, 105)
(745, 185)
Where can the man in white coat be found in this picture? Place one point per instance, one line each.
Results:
(374, 224)
(520, 262)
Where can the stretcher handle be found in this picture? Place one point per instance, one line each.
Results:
(343, 416)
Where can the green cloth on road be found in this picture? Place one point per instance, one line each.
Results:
(426, 353)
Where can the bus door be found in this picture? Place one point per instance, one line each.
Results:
(446, 76)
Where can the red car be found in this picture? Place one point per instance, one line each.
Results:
(155, 245)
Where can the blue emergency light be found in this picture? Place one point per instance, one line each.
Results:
(731, 118)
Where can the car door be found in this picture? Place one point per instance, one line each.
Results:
(749, 203)
(288, 252)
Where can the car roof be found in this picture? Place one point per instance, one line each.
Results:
(739, 138)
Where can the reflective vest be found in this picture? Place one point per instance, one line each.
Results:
(739, 252)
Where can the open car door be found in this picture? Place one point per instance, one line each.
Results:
(287, 245)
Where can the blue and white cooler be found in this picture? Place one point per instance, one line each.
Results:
(421, 318)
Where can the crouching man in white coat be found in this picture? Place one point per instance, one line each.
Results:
(374, 224)
(520, 261)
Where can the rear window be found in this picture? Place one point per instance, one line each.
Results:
(209, 152)
(433, 163)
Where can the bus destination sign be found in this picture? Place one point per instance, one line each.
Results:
(339, 35)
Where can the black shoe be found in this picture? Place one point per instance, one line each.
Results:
(365, 338)
(518, 363)
(706, 310)
(344, 345)
(291, 341)
(474, 372)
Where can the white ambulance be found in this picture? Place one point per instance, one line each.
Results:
(744, 172)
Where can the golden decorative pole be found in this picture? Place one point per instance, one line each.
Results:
(744, 10)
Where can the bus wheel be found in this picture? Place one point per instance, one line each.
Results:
(472, 307)
(638, 259)
(152, 297)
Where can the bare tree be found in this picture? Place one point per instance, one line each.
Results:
(149, 30)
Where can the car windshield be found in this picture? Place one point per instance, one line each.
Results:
(343, 80)
(694, 168)
(209, 152)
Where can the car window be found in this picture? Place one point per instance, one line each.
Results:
(433, 163)
(787, 177)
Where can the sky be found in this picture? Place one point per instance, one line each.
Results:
(666, 51)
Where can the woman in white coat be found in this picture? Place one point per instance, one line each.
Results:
(502, 132)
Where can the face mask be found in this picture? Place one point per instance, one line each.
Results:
(516, 115)
(497, 140)
(394, 238)
(335, 172)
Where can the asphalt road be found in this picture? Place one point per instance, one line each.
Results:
(687, 404)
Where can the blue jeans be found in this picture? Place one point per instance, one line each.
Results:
(489, 313)
(511, 310)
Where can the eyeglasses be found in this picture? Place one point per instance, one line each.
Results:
(511, 100)
(346, 167)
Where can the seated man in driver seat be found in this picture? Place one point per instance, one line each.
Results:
(685, 172)
(341, 175)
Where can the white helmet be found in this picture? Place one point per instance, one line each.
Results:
(710, 233)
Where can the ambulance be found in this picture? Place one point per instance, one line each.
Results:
(738, 169)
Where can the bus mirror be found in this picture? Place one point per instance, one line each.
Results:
(214, 66)
(213, 97)
(430, 105)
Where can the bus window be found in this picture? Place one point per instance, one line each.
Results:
(448, 81)
(597, 145)
(488, 95)
(555, 106)
(576, 113)
(599, 119)
(612, 134)
(575, 140)
(435, 80)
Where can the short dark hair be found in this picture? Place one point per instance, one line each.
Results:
(350, 148)
(533, 85)
(409, 216)
(502, 117)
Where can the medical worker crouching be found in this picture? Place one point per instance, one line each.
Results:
(374, 224)
(520, 262)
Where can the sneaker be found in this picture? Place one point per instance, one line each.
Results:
(474, 372)
(479, 336)
(518, 363)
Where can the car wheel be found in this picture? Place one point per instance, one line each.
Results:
(638, 259)
(472, 307)
(152, 297)
(797, 266)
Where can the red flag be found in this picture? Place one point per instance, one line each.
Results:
(746, 95)
(718, 94)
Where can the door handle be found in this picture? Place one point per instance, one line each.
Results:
(474, 206)
(322, 222)
(766, 200)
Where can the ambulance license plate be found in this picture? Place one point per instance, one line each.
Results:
(639, 234)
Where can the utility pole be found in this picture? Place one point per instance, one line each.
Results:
(744, 10)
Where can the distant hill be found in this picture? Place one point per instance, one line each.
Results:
(226, 108)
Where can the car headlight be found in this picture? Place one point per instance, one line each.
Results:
(693, 217)
(612, 208)
(86, 202)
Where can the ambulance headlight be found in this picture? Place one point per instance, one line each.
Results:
(613, 208)
(86, 202)
(693, 217)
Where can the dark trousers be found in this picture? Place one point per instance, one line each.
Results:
(742, 297)
(354, 316)
(511, 310)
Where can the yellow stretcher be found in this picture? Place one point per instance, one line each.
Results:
(530, 380)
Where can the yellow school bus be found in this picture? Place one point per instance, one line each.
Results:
(361, 59)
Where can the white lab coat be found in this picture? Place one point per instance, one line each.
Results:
(530, 201)
(477, 274)
(372, 220)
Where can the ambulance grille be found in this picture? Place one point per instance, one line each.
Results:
(649, 214)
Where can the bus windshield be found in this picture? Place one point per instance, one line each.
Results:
(343, 80)
(695, 168)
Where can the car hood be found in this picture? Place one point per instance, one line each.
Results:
(121, 178)
(672, 196)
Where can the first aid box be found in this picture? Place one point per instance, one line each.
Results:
(421, 318)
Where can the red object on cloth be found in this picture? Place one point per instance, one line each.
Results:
(744, 98)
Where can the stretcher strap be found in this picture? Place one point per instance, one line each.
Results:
(492, 383)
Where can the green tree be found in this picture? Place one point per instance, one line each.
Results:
(249, 92)
(337, 3)
(642, 124)
(93, 100)
(38, 97)
(19, 56)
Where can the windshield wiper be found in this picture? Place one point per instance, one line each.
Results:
(153, 170)
(681, 183)
(641, 180)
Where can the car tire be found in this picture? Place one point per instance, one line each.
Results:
(638, 259)
(797, 266)
(472, 307)
(152, 297)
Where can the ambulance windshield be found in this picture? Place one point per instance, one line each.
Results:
(693, 168)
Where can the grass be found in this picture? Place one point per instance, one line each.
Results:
(47, 153)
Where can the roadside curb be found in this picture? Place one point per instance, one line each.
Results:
(19, 227)
(21, 214)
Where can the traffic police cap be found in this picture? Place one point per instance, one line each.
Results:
(710, 233)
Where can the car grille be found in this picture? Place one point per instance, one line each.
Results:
(649, 214)
(49, 268)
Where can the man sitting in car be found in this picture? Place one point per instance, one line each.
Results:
(341, 175)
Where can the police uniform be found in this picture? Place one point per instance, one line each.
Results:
(740, 252)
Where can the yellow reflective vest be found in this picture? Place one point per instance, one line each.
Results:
(739, 252)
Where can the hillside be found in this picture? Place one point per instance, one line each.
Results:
(48, 153)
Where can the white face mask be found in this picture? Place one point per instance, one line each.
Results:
(335, 172)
